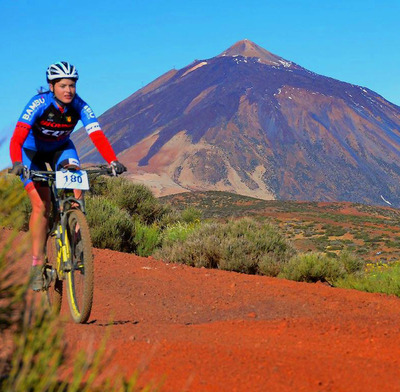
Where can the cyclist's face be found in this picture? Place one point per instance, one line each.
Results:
(64, 90)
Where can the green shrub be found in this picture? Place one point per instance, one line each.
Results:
(351, 263)
(177, 232)
(313, 267)
(110, 227)
(381, 279)
(190, 215)
(38, 351)
(238, 245)
(11, 292)
(136, 199)
(127, 217)
(336, 231)
(171, 217)
(269, 265)
(195, 251)
(146, 238)
(14, 198)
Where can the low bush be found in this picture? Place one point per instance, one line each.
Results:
(190, 215)
(238, 245)
(136, 199)
(110, 226)
(115, 228)
(146, 238)
(15, 199)
(268, 265)
(177, 232)
(380, 279)
(351, 263)
(315, 266)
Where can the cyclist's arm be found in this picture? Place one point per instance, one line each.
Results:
(17, 140)
(32, 110)
(103, 145)
(95, 133)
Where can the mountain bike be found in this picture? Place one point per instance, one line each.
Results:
(69, 247)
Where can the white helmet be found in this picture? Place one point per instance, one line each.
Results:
(61, 70)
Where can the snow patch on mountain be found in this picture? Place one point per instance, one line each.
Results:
(203, 63)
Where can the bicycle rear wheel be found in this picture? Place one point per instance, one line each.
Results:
(54, 285)
(80, 279)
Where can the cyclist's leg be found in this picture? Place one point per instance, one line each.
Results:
(39, 197)
(68, 158)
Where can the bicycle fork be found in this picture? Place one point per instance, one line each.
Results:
(63, 251)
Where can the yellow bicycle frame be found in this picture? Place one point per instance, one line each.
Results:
(63, 251)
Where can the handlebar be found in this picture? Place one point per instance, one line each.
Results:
(44, 175)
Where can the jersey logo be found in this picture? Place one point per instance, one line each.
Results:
(68, 118)
(88, 112)
(53, 125)
(57, 134)
(36, 103)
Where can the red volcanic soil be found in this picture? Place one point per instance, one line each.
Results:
(211, 330)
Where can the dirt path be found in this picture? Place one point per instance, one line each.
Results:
(207, 330)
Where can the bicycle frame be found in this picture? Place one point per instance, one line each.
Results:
(60, 208)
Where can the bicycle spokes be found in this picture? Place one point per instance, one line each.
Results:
(80, 277)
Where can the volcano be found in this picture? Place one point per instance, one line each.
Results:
(250, 122)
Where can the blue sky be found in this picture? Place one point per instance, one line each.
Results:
(119, 46)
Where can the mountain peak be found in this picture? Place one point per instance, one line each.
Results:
(247, 48)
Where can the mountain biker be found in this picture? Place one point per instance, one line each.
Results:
(42, 135)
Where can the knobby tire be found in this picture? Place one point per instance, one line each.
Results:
(80, 280)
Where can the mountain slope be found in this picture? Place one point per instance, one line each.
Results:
(250, 122)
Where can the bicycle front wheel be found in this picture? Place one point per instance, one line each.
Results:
(80, 278)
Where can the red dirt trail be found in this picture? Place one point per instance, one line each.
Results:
(211, 330)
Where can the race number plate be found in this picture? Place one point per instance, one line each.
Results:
(72, 180)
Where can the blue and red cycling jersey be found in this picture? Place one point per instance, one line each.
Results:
(45, 126)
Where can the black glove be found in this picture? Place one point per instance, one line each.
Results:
(17, 168)
(118, 167)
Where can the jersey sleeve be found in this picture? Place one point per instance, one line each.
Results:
(32, 110)
(95, 133)
(17, 140)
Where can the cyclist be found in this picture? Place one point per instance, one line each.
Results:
(42, 135)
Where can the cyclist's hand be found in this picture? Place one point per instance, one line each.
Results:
(118, 167)
(17, 168)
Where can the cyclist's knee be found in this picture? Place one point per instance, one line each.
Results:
(78, 194)
(39, 197)
(70, 164)
(40, 207)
